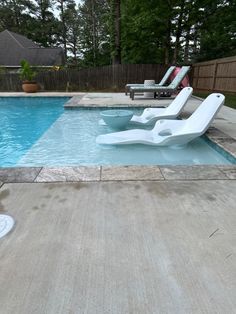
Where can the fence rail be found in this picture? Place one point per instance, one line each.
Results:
(113, 77)
(215, 75)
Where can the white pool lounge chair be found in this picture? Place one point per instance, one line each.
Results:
(170, 132)
(161, 83)
(171, 88)
(151, 115)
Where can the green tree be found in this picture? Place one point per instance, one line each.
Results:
(62, 6)
(146, 31)
(115, 9)
(73, 31)
(95, 36)
(218, 31)
(45, 28)
(15, 15)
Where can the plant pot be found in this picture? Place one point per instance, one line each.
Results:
(30, 87)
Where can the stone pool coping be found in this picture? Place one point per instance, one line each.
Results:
(116, 173)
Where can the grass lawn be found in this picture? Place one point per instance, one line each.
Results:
(230, 100)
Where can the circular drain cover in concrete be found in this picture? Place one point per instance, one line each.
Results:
(6, 224)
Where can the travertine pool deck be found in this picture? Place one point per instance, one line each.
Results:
(129, 239)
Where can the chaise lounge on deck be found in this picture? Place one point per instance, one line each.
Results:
(157, 90)
(161, 83)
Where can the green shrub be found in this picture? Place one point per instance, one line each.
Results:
(26, 71)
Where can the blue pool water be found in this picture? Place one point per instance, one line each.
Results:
(39, 132)
(23, 121)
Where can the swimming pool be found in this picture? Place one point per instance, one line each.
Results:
(39, 132)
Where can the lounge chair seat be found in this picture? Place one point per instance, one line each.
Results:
(170, 132)
(162, 82)
(157, 90)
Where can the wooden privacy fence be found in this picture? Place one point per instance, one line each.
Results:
(88, 79)
(215, 75)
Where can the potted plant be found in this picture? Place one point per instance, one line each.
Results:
(27, 75)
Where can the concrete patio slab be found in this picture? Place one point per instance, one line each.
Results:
(19, 174)
(116, 173)
(192, 173)
(153, 247)
(69, 174)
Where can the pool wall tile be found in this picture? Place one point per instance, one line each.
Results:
(19, 174)
(117, 173)
(69, 174)
(192, 173)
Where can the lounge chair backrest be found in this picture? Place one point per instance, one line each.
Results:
(203, 116)
(179, 102)
(167, 75)
(179, 77)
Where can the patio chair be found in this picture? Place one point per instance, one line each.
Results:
(171, 88)
(161, 83)
(170, 132)
(151, 115)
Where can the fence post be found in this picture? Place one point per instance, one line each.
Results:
(114, 75)
(198, 70)
(214, 76)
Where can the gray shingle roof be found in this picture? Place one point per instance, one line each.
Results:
(22, 41)
(15, 47)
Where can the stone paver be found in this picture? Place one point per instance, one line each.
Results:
(116, 173)
(62, 174)
(119, 99)
(192, 173)
(19, 174)
(229, 171)
(213, 132)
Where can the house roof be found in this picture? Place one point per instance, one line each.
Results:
(15, 47)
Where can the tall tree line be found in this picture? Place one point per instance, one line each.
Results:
(100, 32)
